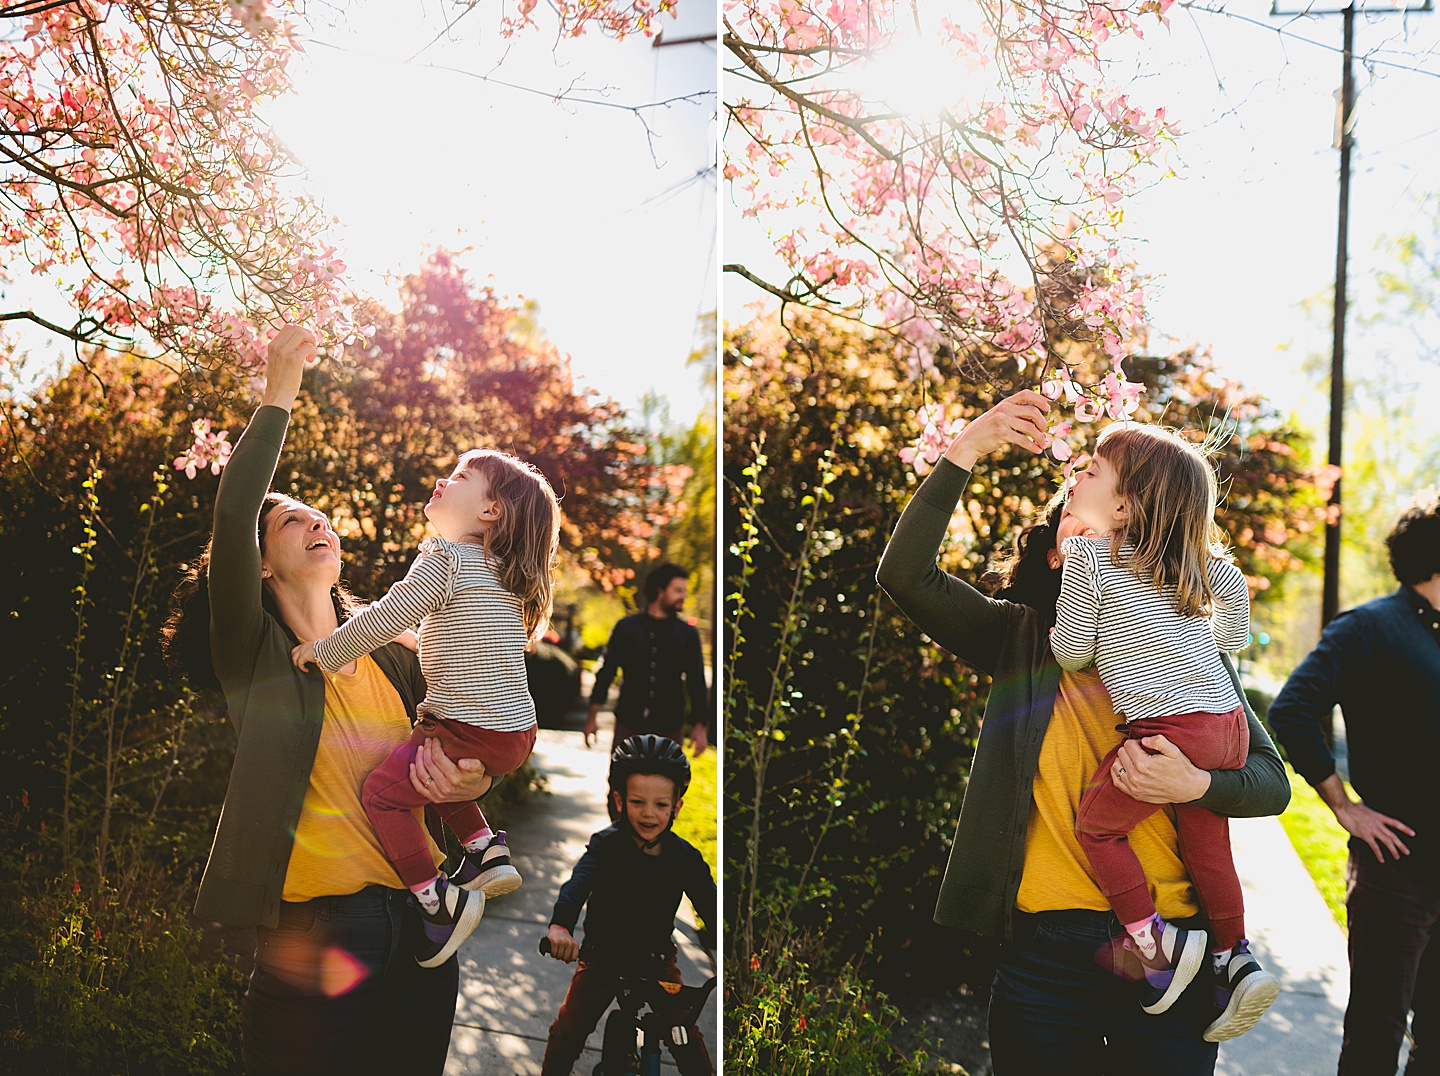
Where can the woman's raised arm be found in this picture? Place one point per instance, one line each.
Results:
(234, 572)
(949, 610)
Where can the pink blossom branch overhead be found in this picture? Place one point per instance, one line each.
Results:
(954, 173)
(138, 179)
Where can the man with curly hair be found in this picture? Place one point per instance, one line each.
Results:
(1380, 662)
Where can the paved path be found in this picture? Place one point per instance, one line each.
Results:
(509, 993)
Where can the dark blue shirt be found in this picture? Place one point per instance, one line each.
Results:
(654, 654)
(631, 897)
(1380, 663)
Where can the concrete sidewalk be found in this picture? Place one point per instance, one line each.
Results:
(509, 993)
(1295, 936)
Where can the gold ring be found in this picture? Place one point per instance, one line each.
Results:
(431, 780)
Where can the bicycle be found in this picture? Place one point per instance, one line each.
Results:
(632, 1039)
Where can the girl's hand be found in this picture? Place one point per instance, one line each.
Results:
(563, 945)
(409, 640)
(303, 655)
(1166, 776)
(1015, 420)
(439, 780)
(293, 348)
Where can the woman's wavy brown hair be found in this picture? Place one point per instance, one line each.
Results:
(1022, 573)
(526, 537)
(185, 635)
(1170, 493)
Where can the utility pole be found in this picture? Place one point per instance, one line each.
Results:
(1344, 121)
(1344, 141)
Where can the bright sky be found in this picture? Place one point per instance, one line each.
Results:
(562, 203)
(1246, 231)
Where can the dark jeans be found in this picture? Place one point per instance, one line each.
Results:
(1393, 912)
(336, 990)
(1064, 1001)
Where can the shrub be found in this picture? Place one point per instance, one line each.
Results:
(91, 986)
(787, 1015)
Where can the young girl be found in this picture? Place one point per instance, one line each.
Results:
(1150, 598)
(480, 594)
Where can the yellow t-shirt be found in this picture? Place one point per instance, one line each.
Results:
(336, 851)
(1057, 873)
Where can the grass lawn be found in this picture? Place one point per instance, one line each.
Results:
(697, 818)
(1320, 840)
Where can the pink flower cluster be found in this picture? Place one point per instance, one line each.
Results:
(210, 450)
(936, 434)
(617, 18)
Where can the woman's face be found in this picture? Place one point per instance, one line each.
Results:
(301, 548)
(1069, 526)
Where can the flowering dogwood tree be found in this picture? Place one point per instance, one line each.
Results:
(139, 178)
(952, 172)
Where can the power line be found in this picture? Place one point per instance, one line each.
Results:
(1280, 31)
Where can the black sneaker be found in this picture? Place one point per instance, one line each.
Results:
(1243, 991)
(489, 871)
(448, 926)
(1178, 958)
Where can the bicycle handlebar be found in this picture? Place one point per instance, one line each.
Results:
(704, 988)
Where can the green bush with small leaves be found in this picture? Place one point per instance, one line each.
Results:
(786, 1015)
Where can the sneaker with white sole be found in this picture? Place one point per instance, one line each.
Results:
(490, 871)
(1243, 991)
(445, 929)
(1179, 956)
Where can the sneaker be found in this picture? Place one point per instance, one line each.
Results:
(1243, 991)
(448, 926)
(1178, 958)
(489, 871)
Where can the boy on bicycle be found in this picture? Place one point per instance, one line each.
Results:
(632, 875)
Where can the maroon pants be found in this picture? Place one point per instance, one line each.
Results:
(390, 799)
(591, 991)
(1107, 815)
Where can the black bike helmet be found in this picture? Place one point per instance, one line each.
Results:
(649, 754)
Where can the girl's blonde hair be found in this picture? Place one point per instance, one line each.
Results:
(526, 537)
(1170, 494)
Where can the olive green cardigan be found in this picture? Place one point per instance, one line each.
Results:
(1012, 643)
(277, 710)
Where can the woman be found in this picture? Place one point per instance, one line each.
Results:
(336, 987)
(1063, 998)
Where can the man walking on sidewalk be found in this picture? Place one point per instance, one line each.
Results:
(655, 649)
(1381, 663)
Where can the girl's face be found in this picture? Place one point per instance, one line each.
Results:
(461, 508)
(300, 546)
(1094, 500)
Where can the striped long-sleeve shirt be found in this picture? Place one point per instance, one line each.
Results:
(472, 637)
(1153, 660)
